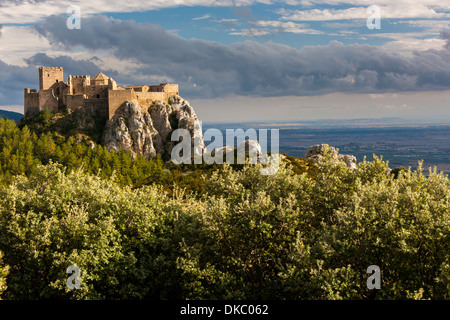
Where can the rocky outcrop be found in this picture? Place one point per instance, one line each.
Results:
(349, 160)
(130, 129)
(148, 130)
(317, 152)
(248, 148)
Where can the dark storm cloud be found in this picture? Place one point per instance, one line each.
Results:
(446, 36)
(250, 68)
(12, 82)
(13, 75)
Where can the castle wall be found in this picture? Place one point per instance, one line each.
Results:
(47, 99)
(100, 95)
(74, 101)
(143, 88)
(31, 102)
(97, 91)
(171, 90)
(67, 91)
(156, 88)
(166, 88)
(59, 90)
(48, 76)
(145, 99)
(117, 98)
(98, 107)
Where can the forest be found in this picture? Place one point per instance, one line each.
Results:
(148, 229)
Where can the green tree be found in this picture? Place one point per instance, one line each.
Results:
(4, 270)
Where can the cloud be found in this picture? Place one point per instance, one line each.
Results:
(12, 82)
(446, 36)
(250, 32)
(250, 68)
(431, 26)
(265, 27)
(19, 42)
(206, 16)
(409, 45)
(31, 11)
(289, 27)
(400, 9)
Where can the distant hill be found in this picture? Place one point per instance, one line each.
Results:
(11, 115)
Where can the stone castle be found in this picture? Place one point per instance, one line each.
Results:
(101, 93)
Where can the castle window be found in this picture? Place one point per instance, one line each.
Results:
(48, 74)
(98, 96)
(56, 80)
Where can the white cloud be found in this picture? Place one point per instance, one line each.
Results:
(265, 27)
(407, 46)
(407, 43)
(20, 42)
(204, 17)
(400, 9)
(290, 27)
(431, 25)
(227, 20)
(30, 11)
(250, 32)
(387, 12)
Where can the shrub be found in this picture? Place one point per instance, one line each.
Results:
(292, 235)
(4, 270)
(122, 240)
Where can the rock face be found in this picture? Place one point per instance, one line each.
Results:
(131, 129)
(349, 160)
(317, 151)
(147, 131)
(248, 148)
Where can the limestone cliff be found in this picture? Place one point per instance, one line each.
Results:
(148, 131)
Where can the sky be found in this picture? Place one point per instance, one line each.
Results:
(244, 60)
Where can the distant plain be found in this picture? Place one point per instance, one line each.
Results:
(400, 142)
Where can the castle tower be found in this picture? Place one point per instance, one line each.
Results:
(78, 84)
(49, 75)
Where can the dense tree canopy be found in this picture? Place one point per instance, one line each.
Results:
(144, 229)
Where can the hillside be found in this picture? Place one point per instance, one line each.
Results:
(144, 228)
(141, 130)
(10, 115)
